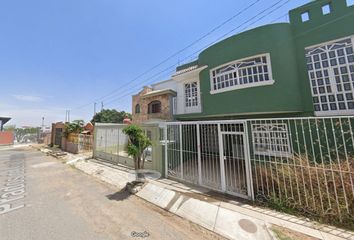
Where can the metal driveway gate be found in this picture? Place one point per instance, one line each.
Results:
(110, 142)
(110, 145)
(210, 154)
(302, 163)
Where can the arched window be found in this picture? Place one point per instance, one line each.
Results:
(154, 107)
(137, 108)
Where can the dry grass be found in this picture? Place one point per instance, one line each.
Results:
(282, 233)
(318, 191)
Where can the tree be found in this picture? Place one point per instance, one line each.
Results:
(10, 128)
(137, 143)
(75, 126)
(110, 116)
(23, 135)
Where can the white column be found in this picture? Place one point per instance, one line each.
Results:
(199, 157)
(222, 165)
(181, 149)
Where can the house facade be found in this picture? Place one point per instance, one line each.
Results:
(301, 68)
(154, 104)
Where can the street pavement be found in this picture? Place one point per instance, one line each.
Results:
(44, 199)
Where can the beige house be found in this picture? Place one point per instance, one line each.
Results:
(154, 104)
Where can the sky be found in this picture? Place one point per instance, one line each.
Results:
(63, 55)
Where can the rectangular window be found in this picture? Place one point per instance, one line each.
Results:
(174, 104)
(350, 3)
(326, 9)
(249, 72)
(154, 107)
(271, 139)
(305, 16)
(332, 81)
(191, 94)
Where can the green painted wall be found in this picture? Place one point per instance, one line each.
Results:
(291, 93)
(320, 28)
(283, 96)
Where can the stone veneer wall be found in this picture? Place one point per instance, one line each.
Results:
(143, 116)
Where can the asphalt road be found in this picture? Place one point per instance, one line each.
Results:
(44, 199)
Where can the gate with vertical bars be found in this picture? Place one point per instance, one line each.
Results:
(210, 154)
(303, 162)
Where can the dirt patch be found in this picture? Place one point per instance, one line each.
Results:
(287, 234)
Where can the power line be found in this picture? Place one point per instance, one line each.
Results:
(178, 52)
(278, 18)
(266, 15)
(310, 30)
(129, 93)
(265, 10)
(189, 45)
(201, 49)
(260, 18)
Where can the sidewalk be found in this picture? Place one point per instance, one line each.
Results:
(213, 211)
(14, 146)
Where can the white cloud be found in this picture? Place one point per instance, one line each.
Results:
(28, 98)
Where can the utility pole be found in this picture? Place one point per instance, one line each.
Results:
(42, 124)
(67, 116)
(101, 106)
(94, 108)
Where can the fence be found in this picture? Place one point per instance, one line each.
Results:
(306, 164)
(81, 142)
(27, 135)
(110, 145)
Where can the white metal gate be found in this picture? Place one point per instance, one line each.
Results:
(211, 154)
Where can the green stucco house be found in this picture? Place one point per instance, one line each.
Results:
(301, 68)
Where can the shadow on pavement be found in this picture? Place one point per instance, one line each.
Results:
(119, 196)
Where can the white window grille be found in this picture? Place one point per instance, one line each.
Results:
(243, 73)
(271, 140)
(191, 94)
(331, 74)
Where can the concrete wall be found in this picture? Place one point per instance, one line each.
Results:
(55, 126)
(168, 84)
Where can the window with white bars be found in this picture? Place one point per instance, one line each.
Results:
(249, 72)
(331, 72)
(271, 139)
(191, 94)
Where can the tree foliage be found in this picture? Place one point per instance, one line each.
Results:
(23, 135)
(137, 143)
(75, 126)
(10, 128)
(110, 116)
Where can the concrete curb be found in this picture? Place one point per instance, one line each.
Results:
(9, 147)
(223, 221)
(233, 221)
(104, 173)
